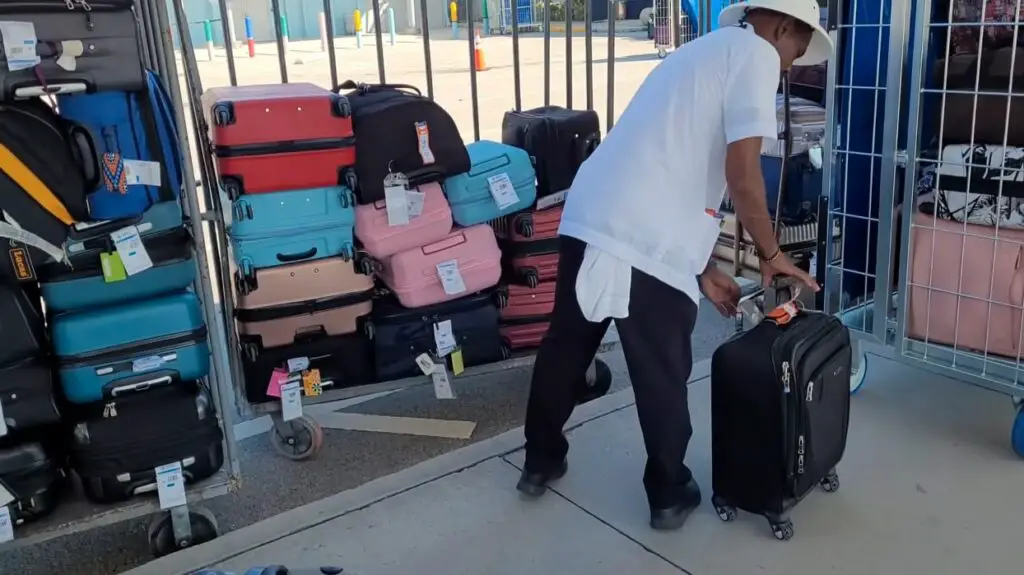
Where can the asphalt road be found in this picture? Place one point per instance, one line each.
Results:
(272, 485)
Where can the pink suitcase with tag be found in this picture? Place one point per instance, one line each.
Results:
(413, 274)
(947, 259)
(381, 240)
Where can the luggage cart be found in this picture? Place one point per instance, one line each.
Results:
(664, 28)
(189, 524)
(301, 437)
(953, 317)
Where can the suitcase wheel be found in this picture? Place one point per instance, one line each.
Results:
(501, 297)
(348, 177)
(341, 107)
(725, 511)
(161, 531)
(783, 530)
(232, 186)
(662, 52)
(524, 227)
(531, 278)
(297, 439)
(245, 283)
(830, 483)
(223, 114)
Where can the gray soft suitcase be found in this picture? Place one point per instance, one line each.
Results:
(106, 30)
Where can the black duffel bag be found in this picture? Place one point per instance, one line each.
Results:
(398, 130)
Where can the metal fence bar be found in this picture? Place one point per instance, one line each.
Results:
(225, 25)
(378, 35)
(516, 80)
(588, 49)
(282, 57)
(677, 35)
(611, 66)
(332, 58)
(547, 52)
(427, 64)
(568, 53)
(472, 70)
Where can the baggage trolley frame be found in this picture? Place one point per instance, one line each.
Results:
(665, 31)
(189, 524)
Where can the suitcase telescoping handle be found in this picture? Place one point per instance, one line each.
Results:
(365, 88)
(287, 258)
(447, 243)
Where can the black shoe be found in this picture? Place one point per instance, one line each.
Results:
(673, 517)
(535, 484)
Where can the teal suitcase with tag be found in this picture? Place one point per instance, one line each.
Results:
(500, 181)
(131, 347)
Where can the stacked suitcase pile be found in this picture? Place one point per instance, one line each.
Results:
(92, 178)
(529, 240)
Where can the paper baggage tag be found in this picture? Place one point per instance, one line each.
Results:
(3, 422)
(457, 365)
(133, 253)
(6, 525)
(20, 41)
(451, 279)
(415, 202)
(425, 364)
(170, 485)
(311, 383)
(149, 363)
(502, 190)
(113, 269)
(552, 200)
(423, 142)
(70, 50)
(140, 172)
(277, 378)
(298, 364)
(396, 200)
(5, 496)
(444, 339)
(291, 401)
(442, 385)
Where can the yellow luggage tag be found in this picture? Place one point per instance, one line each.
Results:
(113, 267)
(311, 383)
(457, 365)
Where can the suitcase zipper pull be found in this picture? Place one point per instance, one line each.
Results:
(785, 376)
(810, 391)
(800, 455)
(110, 410)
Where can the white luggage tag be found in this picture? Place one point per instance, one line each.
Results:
(3, 423)
(170, 485)
(291, 399)
(444, 338)
(502, 190)
(396, 199)
(442, 384)
(19, 39)
(133, 252)
(451, 278)
(70, 50)
(6, 525)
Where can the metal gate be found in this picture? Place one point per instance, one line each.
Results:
(923, 180)
(523, 18)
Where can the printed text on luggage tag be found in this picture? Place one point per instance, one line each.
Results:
(415, 201)
(3, 422)
(502, 190)
(297, 364)
(442, 385)
(142, 173)
(451, 279)
(6, 525)
(552, 200)
(170, 485)
(133, 253)
(425, 364)
(19, 39)
(396, 200)
(444, 338)
(423, 140)
(291, 400)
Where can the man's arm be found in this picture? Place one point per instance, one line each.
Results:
(746, 188)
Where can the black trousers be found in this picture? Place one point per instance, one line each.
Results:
(656, 342)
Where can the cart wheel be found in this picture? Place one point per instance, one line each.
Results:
(1017, 433)
(783, 530)
(725, 511)
(857, 371)
(597, 383)
(831, 482)
(662, 53)
(297, 439)
(161, 531)
(531, 279)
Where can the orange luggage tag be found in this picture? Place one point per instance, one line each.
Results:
(785, 312)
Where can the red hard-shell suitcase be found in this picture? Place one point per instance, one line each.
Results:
(524, 335)
(530, 263)
(525, 314)
(529, 226)
(281, 137)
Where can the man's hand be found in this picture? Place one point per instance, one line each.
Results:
(721, 289)
(783, 266)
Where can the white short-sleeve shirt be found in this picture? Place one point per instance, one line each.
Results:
(643, 196)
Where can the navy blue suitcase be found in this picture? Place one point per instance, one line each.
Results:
(126, 126)
(82, 285)
(110, 351)
(277, 228)
(470, 193)
(802, 187)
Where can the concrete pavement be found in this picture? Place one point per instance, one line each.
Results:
(929, 486)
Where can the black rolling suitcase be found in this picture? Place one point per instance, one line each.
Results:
(22, 331)
(343, 361)
(34, 477)
(558, 141)
(780, 408)
(118, 444)
(401, 334)
(26, 396)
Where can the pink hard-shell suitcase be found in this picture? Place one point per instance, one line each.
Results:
(319, 297)
(381, 240)
(414, 277)
(946, 260)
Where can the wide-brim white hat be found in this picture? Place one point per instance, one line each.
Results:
(807, 11)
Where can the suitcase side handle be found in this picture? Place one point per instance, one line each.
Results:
(286, 258)
(447, 243)
(364, 88)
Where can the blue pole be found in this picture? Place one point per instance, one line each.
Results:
(391, 24)
(249, 39)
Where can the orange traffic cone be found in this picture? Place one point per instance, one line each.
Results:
(479, 60)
